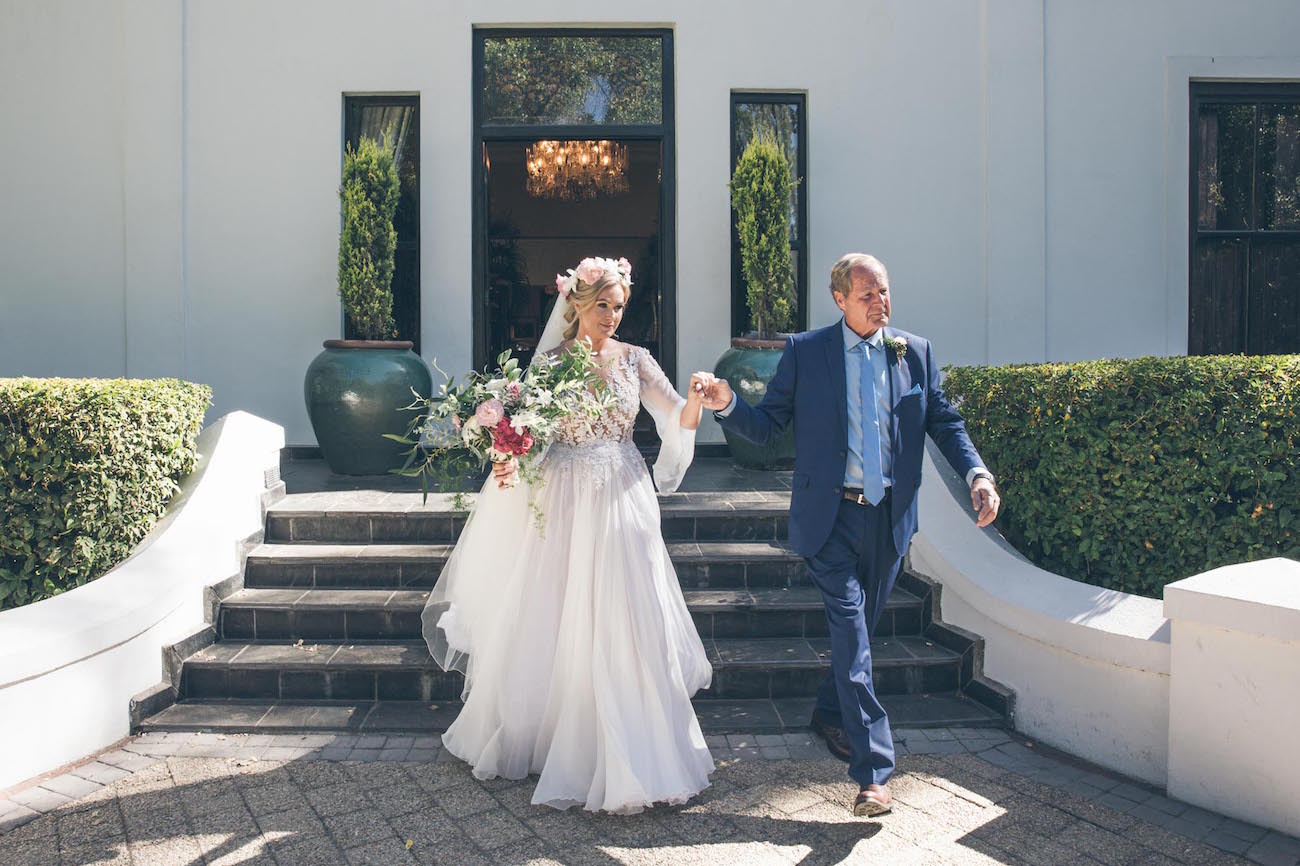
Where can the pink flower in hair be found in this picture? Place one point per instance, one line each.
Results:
(624, 267)
(589, 271)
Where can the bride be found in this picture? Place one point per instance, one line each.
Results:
(579, 655)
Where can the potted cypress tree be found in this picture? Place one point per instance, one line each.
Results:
(356, 390)
(760, 194)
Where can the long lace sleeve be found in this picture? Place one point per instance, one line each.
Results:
(661, 399)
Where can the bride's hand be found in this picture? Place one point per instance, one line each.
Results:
(698, 390)
(505, 473)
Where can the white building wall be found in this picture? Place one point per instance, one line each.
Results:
(171, 169)
(1111, 236)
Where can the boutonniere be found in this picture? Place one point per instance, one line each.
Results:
(899, 345)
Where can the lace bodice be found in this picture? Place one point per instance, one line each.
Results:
(616, 424)
(635, 378)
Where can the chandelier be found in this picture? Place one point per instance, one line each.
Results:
(576, 169)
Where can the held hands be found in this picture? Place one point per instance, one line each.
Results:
(506, 474)
(984, 499)
(712, 392)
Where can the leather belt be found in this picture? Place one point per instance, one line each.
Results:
(854, 494)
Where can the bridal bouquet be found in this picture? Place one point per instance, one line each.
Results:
(500, 415)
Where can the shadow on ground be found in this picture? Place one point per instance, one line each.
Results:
(950, 809)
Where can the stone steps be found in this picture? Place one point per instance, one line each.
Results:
(382, 614)
(756, 716)
(699, 564)
(402, 518)
(325, 634)
(404, 671)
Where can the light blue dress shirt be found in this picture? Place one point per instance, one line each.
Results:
(884, 413)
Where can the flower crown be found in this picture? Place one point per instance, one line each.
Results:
(591, 270)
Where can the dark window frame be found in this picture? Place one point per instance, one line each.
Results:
(739, 306)
(663, 132)
(1219, 92)
(352, 105)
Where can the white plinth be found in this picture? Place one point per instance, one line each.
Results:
(1234, 694)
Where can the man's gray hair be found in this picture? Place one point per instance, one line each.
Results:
(842, 271)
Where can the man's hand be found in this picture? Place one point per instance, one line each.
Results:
(714, 393)
(505, 473)
(984, 499)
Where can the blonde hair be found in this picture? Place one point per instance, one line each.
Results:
(842, 271)
(583, 298)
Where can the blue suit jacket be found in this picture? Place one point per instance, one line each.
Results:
(809, 390)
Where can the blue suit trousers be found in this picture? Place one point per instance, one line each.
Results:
(855, 571)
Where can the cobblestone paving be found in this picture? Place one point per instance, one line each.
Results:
(962, 796)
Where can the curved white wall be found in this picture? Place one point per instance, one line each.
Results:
(1090, 666)
(69, 665)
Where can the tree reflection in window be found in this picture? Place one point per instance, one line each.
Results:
(573, 80)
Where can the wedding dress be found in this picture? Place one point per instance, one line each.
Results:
(579, 654)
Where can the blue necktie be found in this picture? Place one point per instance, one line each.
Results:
(873, 481)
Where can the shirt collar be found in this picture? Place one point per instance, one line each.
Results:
(851, 339)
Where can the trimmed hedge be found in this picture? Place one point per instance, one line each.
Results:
(87, 466)
(1132, 474)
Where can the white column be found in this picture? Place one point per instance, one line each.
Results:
(152, 136)
(1015, 215)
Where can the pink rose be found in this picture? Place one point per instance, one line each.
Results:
(589, 272)
(624, 267)
(490, 412)
(561, 285)
(513, 390)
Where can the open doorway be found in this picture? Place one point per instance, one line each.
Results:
(551, 100)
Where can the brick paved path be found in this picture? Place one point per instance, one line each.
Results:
(962, 796)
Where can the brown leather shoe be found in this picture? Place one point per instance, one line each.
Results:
(873, 800)
(837, 742)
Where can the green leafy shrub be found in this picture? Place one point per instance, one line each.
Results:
(87, 466)
(1132, 474)
(368, 244)
(760, 194)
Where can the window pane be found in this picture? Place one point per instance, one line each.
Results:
(1226, 138)
(1218, 295)
(397, 123)
(1279, 166)
(573, 79)
(1274, 298)
(779, 122)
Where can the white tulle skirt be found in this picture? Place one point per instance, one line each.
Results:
(579, 653)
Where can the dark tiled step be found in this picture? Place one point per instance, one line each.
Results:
(402, 518)
(404, 671)
(387, 614)
(705, 564)
(742, 613)
(412, 717)
(788, 668)
(322, 614)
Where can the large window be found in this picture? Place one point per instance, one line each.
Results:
(1245, 219)
(395, 120)
(783, 118)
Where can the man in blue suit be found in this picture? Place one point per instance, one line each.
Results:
(862, 398)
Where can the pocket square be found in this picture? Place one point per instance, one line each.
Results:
(916, 389)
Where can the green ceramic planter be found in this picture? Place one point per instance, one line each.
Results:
(355, 391)
(748, 366)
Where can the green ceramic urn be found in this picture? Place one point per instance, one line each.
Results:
(748, 366)
(355, 392)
